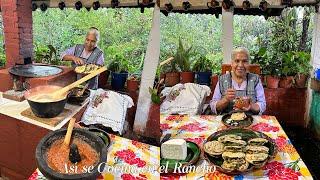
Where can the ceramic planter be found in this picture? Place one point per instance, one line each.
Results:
(118, 80)
(132, 85)
(272, 82)
(286, 82)
(153, 123)
(186, 77)
(301, 80)
(172, 79)
(203, 78)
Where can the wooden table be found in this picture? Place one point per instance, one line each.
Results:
(286, 165)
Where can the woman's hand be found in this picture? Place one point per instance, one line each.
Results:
(230, 95)
(77, 60)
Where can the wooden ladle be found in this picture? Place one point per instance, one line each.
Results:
(69, 132)
(63, 91)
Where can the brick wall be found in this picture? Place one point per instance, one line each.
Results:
(17, 20)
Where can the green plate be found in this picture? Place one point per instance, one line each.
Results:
(246, 134)
(193, 155)
(102, 134)
(237, 124)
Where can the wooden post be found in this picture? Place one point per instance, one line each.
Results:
(315, 58)
(148, 74)
(227, 35)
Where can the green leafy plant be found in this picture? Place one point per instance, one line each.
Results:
(182, 57)
(203, 64)
(118, 64)
(155, 98)
(47, 54)
(2, 60)
(303, 63)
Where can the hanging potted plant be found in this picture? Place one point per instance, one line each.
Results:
(288, 70)
(182, 57)
(303, 69)
(119, 72)
(202, 67)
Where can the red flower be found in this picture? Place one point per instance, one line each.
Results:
(141, 163)
(175, 176)
(125, 154)
(277, 171)
(192, 127)
(264, 127)
(199, 140)
(127, 177)
(164, 126)
(34, 176)
(133, 161)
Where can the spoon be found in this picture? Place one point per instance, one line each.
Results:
(69, 132)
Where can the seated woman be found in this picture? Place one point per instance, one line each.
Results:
(238, 83)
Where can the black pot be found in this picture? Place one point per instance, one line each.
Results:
(73, 99)
(89, 137)
(45, 109)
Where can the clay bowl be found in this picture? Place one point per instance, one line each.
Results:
(74, 99)
(89, 137)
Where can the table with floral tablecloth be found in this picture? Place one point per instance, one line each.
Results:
(135, 161)
(287, 163)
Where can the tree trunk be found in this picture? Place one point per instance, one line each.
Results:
(305, 27)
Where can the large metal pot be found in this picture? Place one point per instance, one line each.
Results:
(45, 109)
(89, 137)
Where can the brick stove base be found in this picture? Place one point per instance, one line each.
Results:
(66, 77)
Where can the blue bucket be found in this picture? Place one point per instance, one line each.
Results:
(317, 74)
(204, 78)
(118, 80)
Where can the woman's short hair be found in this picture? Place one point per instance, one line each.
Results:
(95, 32)
(240, 50)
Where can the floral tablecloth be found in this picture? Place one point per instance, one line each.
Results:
(286, 165)
(126, 160)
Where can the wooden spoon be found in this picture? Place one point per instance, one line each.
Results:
(69, 132)
(61, 92)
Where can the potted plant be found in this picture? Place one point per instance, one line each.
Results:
(288, 70)
(182, 57)
(47, 55)
(133, 82)
(153, 122)
(260, 58)
(303, 69)
(119, 72)
(172, 77)
(202, 67)
(272, 71)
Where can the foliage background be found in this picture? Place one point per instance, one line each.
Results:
(125, 31)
